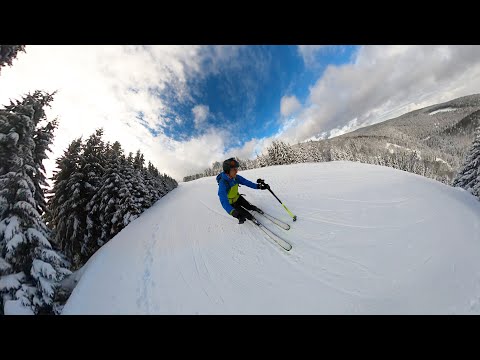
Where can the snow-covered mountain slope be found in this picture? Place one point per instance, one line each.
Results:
(368, 240)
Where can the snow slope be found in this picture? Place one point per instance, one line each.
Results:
(368, 240)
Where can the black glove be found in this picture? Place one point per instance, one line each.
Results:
(263, 186)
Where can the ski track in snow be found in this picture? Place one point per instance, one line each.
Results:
(147, 283)
(322, 220)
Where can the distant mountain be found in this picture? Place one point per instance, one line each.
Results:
(432, 142)
(438, 135)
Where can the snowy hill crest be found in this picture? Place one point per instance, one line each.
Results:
(368, 240)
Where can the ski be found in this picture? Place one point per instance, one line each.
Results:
(274, 220)
(282, 243)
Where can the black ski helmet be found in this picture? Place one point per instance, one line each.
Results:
(230, 163)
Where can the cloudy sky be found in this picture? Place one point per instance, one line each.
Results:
(185, 107)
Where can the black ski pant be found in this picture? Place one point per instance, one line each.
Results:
(241, 204)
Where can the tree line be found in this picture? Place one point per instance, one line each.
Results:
(46, 232)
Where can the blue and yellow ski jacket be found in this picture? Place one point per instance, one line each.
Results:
(228, 189)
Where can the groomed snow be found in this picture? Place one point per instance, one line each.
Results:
(368, 240)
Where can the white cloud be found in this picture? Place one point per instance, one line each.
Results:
(289, 105)
(249, 150)
(179, 159)
(200, 113)
(351, 126)
(308, 53)
(108, 86)
(382, 83)
(385, 82)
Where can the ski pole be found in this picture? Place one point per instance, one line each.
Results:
(261, 181)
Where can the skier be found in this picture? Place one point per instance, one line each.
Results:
(234, 203)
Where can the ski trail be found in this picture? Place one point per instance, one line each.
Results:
(144, 299)
(210, 279)
(389, 202)
(214, 211)
(175, 267)
(344, 259)
(331, 284)
(204, 282)
(327, 221)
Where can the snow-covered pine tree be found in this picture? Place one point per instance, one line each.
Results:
(92, 168)
(280, 153)
(287, 154)
(245, 164)
(273, 154)
(340, 154)
(128, 208)
(80, 176)
(129, 159)
(30, 268)
(156, 188)
(311, 152)
(8, 53)
(65, 215)
(170, 182)
(468, 177)
(164, 183)
(43, 138)
(173, 182)
(301, 155)
(159, 182)
(153, 186)
(216, 168)
(97, 192)
(143, 194)
(262, 160)
(101, 226)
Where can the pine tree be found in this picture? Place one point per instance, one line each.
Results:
(101, 226)
(155, 186)
(43, 138)
(154, 190)
(468, 177)
(340, 154)
(280, 153)
(75, 184)
(263, 161)
(97, 192)
(142, 192)
(8, 53)
(92, 170)
(30, 267)
(66, 213)
(129, 207)
(169, 182)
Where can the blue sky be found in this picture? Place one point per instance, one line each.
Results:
(185, 107)
(244, 97)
